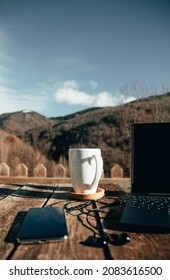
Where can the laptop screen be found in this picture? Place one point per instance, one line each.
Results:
(151, 158)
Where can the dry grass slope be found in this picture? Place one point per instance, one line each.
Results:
(43, 139)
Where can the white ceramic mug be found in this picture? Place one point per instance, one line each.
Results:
(86, 166)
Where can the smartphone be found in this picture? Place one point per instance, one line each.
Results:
(43, 225)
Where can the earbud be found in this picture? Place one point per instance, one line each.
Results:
(120, 239)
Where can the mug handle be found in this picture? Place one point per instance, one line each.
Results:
(98, 171)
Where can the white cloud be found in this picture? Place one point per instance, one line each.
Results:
(6, 104)
(11, 101)
(70, 94)
(93, 84)
(5, 47)
(105, 99)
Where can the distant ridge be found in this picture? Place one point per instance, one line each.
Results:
(21, 121)
(108, 128)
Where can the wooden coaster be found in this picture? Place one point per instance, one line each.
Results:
(91, 196)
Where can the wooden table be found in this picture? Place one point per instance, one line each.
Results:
(87, 240)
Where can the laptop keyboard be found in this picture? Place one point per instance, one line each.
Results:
(150, 202)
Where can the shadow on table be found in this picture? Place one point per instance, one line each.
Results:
(112, 222)
(4, 192)
(16, 225)
(35, 191)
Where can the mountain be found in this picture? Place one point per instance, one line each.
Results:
(108, 128)
(20, 122)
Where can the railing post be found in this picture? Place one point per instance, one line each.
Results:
(116, 171)
(40, 171)
(22, 170)
(103, 175)
(4, 170)
(60, 171)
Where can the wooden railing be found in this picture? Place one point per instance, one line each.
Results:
(40, 171)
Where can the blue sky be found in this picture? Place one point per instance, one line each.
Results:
(62, 56)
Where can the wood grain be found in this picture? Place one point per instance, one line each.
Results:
(12, 212)
(85, 239)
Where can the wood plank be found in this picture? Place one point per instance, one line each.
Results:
(125, 186)
(84, 240)
(6, 190)
(12, 212)
(142, 245)
(54, 180)
(80, 244)
(34, 180)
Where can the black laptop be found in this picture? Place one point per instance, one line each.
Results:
(149, 201)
